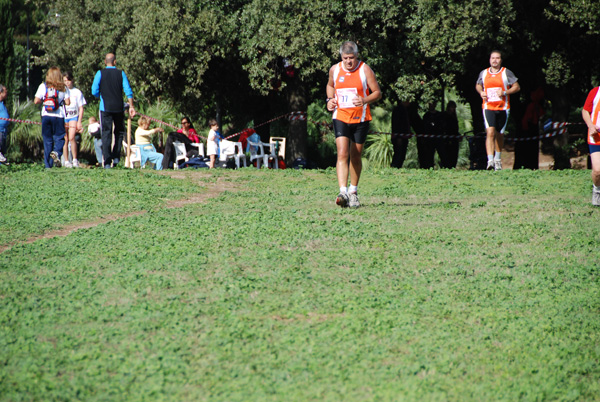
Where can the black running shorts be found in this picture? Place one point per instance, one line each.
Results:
(357, 132)
(496, 119)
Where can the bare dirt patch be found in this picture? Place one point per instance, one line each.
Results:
(213, 190)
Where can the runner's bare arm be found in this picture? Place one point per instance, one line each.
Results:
(373, 85)
(480, 91)
(331, 102)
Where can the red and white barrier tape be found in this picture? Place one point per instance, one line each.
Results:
(157, 121)
(290, 116)
(557, 128)
(21, 121)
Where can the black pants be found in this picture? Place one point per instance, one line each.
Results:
(107, 120)
(527, 152)
(426, 151)
(400, 145)
(448, 151)
(169, 155)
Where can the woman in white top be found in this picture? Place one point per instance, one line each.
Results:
(52, 94)
(73, 119)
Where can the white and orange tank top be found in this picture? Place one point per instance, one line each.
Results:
(348, 85)
(495, 84)
(592, 105)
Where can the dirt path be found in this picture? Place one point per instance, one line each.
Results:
(213, 191)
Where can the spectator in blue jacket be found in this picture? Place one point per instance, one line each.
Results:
(3, 123)
(109, 84)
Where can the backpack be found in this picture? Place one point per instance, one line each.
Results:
(50, 100)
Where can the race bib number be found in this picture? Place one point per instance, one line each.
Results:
(71, 113)
(345, 97)
(494, 94)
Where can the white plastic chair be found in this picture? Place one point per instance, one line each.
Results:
(180, 153)
(135, 155)
(200, 147)
(227, 150)
(257, 153)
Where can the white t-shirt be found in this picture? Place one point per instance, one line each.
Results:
(211, 143)
(94, 127)
(60, 111)
(77, 100)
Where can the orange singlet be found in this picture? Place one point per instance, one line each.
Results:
(494, 85)
(348, 85)
(592, 105)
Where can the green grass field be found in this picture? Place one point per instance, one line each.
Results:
(444, 285)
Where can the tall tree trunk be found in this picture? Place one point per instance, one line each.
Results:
(297, 134)
(560, 113)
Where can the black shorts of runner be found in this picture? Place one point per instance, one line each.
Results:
(496, 119)
(357, 132)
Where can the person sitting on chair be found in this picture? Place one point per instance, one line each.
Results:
(143, 139)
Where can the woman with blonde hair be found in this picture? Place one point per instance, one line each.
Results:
(143, 139)
(52, 94)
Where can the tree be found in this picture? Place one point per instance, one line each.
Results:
(254, 59)
(7, 53)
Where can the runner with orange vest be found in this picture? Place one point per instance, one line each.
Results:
(351, 88)
(591, 117)
(495, 85)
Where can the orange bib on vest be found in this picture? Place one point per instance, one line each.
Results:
(348, 85)
(494, 85)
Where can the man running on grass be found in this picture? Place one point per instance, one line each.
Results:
(352, 87)
(494, 85)
(591, 117)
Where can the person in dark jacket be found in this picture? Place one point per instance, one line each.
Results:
(109, 85)
(448, 147)
(400, 133)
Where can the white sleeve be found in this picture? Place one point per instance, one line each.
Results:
(41, 91)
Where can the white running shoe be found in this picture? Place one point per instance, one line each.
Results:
(75, 163)
(2, 158)
(353, 200)
(596, 198)
(68, 164)
(497, 164)
(55, 158)
(490, 165)
(342, 200)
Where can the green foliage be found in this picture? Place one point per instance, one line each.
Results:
(25, 139)
(163, 111)
(226, 58)
(270, 292)
(379, 150)
(321, 139)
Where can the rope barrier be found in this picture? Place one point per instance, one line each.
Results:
(21, 121)
(551, 130)
(157, 121)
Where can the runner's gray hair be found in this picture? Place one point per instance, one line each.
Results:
(348, 47)
(2, 88)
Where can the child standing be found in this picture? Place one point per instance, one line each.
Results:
(95, 131)
(51, 94)
(73, 120)
(143, 139)
(211, 142)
